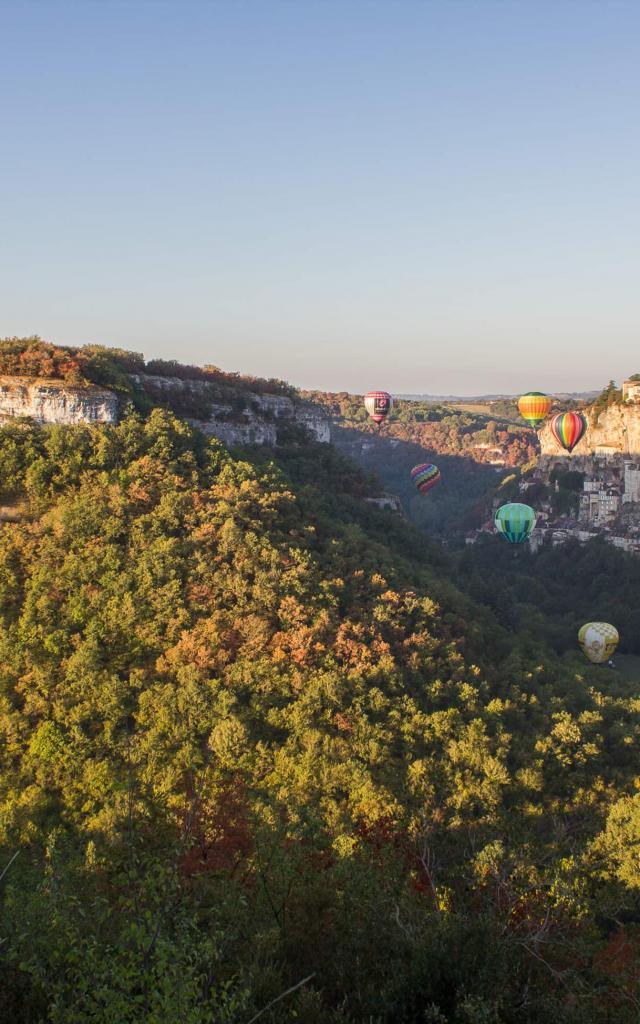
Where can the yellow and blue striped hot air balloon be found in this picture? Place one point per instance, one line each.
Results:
(598, 641)
(515, 521)
(534, 407)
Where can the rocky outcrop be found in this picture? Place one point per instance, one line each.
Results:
(386, 501)
(240, 417)
(237, 434)
(56, 402)
(615, 434)
(313, 420)
(235, 416)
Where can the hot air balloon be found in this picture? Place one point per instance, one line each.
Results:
(515, 521)
(568, 428)
(598, 641)
(425, 476)
(534, 407)
(378, 405)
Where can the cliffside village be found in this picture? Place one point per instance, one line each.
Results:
(608, 506)
(608, 503)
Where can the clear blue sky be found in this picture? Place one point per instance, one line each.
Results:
(436, 196)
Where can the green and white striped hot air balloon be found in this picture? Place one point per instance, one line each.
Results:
(515, 522)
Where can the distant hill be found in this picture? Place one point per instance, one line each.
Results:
(563, 396)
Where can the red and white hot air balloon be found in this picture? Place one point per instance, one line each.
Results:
(378, 405)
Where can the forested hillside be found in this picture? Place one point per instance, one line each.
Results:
(446, 429)
(269, 753)
(475, 451)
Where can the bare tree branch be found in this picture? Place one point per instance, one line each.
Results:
(281, 996)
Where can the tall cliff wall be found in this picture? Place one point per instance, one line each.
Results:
(236, 417)
(240, 417)
(54, 402)
(615, 434)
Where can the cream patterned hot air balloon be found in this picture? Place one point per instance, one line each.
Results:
(598, 640)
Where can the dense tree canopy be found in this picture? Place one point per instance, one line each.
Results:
(258, 736)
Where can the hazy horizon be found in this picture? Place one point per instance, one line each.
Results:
(429, 198)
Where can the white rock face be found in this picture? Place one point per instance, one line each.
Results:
(238, 418)
(389, 501)
(56, 402)
(315, 421)
(256, 431)
(614, 434)
(255, 422)
(277, 405)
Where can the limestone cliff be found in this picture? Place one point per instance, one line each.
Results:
(614, 433)
(52, 401)
(240, 417)
(236, 416)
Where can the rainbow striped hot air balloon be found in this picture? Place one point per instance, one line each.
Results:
(378, 405)
(568, 428)
(534, 407)
(598, 641)
(425, 476)
(515, 521)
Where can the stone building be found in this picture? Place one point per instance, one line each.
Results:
(631, 482)
(631, 391)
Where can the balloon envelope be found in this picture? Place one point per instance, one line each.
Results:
(378, 405)
(425, 476)
(598, 641)
(534, 407)
(568, 428)
(515, 521)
